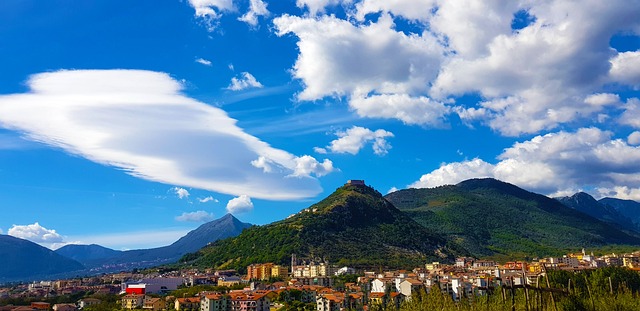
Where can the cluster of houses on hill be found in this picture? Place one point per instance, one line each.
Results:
(309, 282)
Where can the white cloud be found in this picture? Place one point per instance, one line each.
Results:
(379, 69)
(602, 99)
(538, 77)
(207, 199)
(625, 68)
(411, 9)
(338, 58)
(198, 216)
(307, 165)
(245, 82)
(453, 173)
(554, 163)
(241, 204)
(410, 110)
(203, 61)
(210, 10)
(182, 193)
(256, 8)
(37, 234)
(139, 121)
(634, 138)
(393, 189)
(318, 6)
(631, 114)
(354, 139)
(533, 79)
(319, 150)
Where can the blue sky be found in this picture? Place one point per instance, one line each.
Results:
(128, 124)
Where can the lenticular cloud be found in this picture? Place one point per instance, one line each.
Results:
(139, 121)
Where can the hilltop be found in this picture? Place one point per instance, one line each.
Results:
(355, 225)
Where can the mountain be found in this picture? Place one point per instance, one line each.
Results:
(493, 218)
(627, 208)
(24, 260)
(353, 226)
(104, 259)
(86, 253)
(585, 203)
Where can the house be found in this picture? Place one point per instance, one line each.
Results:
(228, 280)
(132, 301)
(154, 304)
(410, 286)
(241, 301)
(64, 307)
(83, 303)
(330, 302)
(214, 302)
(188, 303)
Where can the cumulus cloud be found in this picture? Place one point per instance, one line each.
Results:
(207, 199)
(198, 216)
(631, 114)
(625, 68)
(410, 110)
(140, 122)
(537, 77)
(210, 10)
(555, 162)
(532, 77)
(306, 165)
(634, 138)
(245, 81)
(203, 61)
(182, 193)
(36, 233)
(241, 204)
(256, 8)
(354, 139)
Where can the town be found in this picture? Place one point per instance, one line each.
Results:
(306, 283)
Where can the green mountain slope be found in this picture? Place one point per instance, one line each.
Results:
(355, 225)
(492, 218)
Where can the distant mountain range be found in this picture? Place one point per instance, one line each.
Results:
(100, 258)
(489, 217)
(353, 226)
(587, 204)
(21, 259)
(627, 208)
(24, 260)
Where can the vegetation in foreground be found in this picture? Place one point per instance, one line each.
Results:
(603, 289)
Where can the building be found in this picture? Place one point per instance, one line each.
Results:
(279, 271)
(355, 182)
(188, 304)
(260, 271)
(154, 304)
(330, 302)
(228, 281)
(410, 286)
(214, 302)
(249, 302)
(132, 301)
